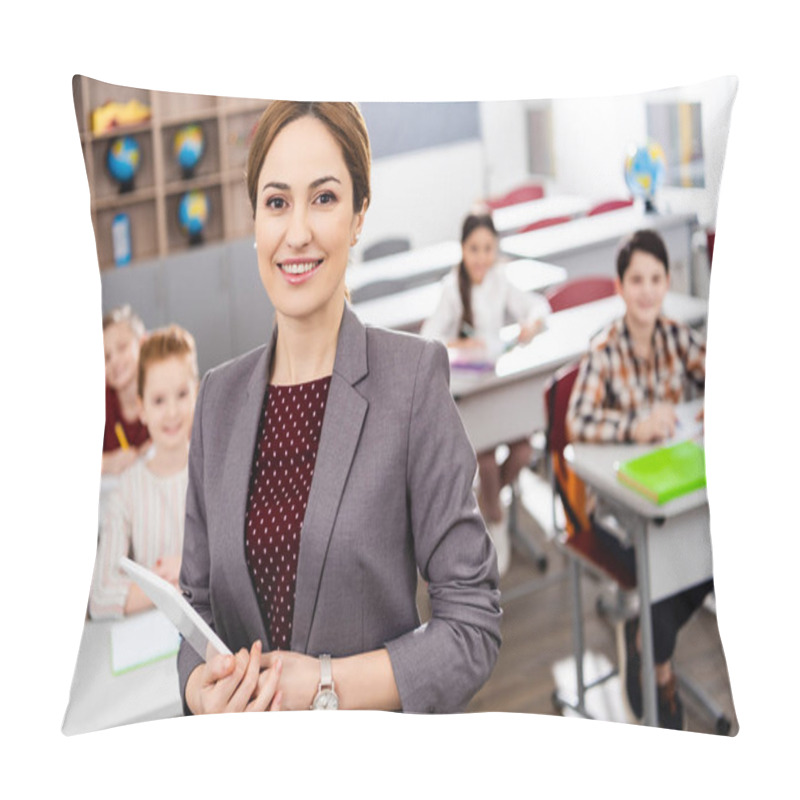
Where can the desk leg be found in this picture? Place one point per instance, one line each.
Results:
(646, 626)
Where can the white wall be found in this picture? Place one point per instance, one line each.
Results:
(425, 194)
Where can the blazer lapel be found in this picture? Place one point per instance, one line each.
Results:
(235, 490)
(341, 429)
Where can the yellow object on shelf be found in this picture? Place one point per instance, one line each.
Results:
(118, 115)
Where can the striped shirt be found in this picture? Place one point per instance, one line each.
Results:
(616, 388)
(143, 520)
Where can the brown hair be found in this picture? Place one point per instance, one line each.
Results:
(346, 125)
(471, 223)
(172, 341)
(647, 241)
(124, 315)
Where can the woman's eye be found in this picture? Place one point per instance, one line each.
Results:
(276, 203)
(326, 198)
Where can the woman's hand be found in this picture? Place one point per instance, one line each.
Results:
(299, 679)
(235, 683)
(658, 425)
(168, 568)
(529, 330)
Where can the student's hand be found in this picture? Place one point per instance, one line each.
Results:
(658, 425)
(234, 683)
(168, 568)
(529, 330)
(467, 344)
(117, 461)
(299, 678)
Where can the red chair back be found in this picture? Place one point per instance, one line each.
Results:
(580, 533)
(556, 401)
(710, 236)
(579, 291)
(544, 223)
(609, 205)
(522, 194)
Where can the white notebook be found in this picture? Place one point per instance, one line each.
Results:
(142, 639)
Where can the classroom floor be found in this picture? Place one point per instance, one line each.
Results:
(536, 655)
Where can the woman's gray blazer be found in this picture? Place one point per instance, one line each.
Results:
(392, 491)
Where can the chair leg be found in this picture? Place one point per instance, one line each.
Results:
(528, 545)
(578, 703)
(722, 724)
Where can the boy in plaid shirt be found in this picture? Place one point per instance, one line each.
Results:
(626, 390)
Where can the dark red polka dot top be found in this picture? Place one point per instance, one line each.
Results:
(283, 466)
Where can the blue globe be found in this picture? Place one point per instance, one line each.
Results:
(644, 170)
(193, 211)
(189, 145)
(123, 160)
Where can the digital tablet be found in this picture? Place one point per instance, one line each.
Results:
(176, 609)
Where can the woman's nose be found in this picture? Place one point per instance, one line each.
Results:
(298, 233)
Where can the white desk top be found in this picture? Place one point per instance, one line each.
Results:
(587, 231)
(99, 699)
(412, 306)
(511, 218)
(566, 338)
(430, 259)
(597, 464)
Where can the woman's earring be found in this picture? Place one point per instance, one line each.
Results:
(255, 245)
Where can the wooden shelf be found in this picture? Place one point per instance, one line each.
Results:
(151, 205)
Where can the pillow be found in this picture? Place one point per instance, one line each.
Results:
(173, 232)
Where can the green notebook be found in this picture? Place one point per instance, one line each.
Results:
(666, 473)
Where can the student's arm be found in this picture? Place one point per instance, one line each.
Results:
(590, 417)
(529, 309)
(110, 587)
(117, 461)
(693, 353)
(443, 322)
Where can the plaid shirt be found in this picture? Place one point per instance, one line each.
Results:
(615, 388)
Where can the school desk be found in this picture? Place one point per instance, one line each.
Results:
(399, 271)
(587, 245)
(99, 699)
(507, 403)
(512, 218)
(672, 541)
(408, 309)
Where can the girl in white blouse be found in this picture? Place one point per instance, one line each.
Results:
(477, 300)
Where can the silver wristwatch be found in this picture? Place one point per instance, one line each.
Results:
(326, 699)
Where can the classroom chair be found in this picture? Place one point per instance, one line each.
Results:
(579, 291)
(710, 236)
(521, 194)
(577, 537)
(544, 223)
(608, 205)
(386, 247)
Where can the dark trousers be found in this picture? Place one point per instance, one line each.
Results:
(668, 615)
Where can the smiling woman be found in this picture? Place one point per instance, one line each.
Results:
(327, 469)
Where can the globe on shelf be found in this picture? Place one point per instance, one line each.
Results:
(193, 211)
(123, 159)
(189, 146)
(644, 172)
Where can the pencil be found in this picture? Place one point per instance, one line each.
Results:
(123, 441)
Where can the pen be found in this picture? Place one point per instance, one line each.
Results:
(123, 441)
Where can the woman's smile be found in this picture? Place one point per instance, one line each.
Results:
(299, 270)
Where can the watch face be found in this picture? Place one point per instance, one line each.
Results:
(326, 700)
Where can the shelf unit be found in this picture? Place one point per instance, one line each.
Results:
(152, 204)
